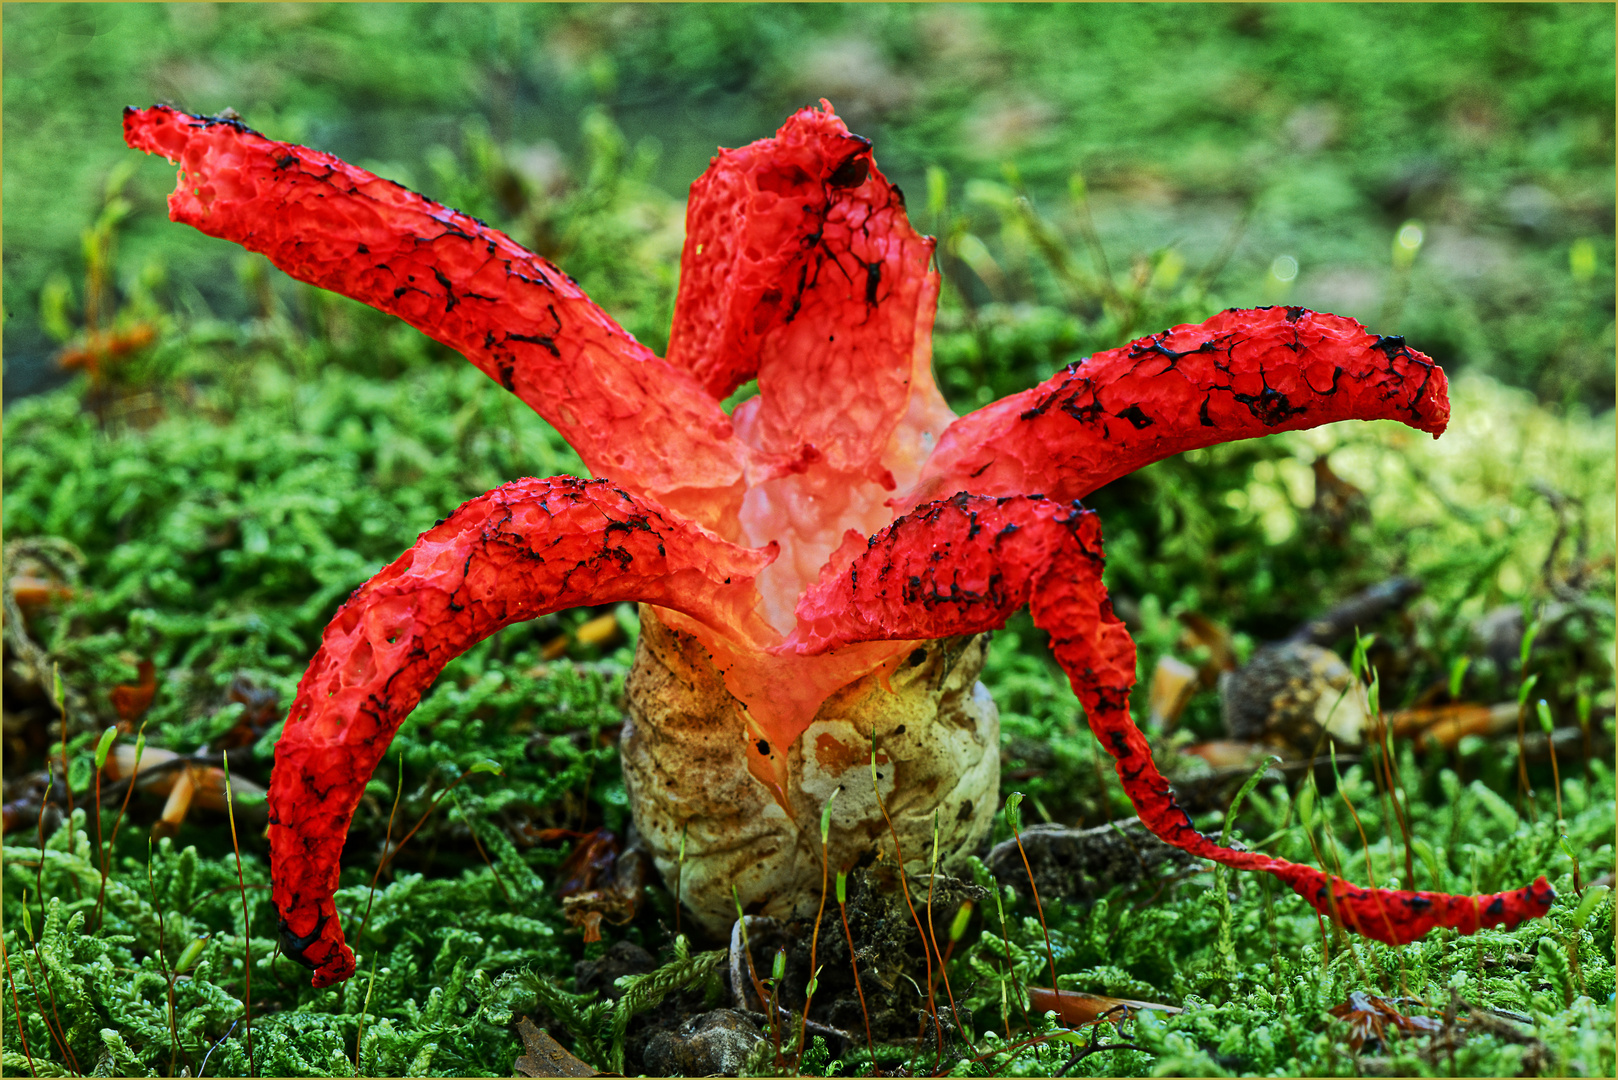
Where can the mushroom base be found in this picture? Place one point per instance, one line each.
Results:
(937, 734)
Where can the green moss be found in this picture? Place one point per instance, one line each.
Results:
(279, 457)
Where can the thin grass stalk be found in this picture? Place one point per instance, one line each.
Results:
(1524, 653)
(140, 750)
(387, 856)
(1337, 861)
(777, 974)
(943, 971)
(387, 841)
(101, 851)
(1385, 744)
(679, 878)
(1370, 871)
(44, 972)
(50, 992)
(162, 960)
(16, 1007)
(471, 828)
(930, 940)
(1226, 949)
(1365, 843)
(842, 910)
(1320, 860)
(39, 1004)
(932, 1005)
(61, 711)
(1005, 940)
(1525, 789)
(1546, 722)
(1012, 804)
(966, 907)
(39, 871)
(814, 940)
(247, 926)
(359, 1034)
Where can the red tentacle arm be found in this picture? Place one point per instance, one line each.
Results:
(518, 552)
(1239, 375)
(522, 321)
(964, 564)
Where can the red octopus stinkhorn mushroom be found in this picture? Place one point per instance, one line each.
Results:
(780, 647)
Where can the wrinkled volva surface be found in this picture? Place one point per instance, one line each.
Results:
(800, 270)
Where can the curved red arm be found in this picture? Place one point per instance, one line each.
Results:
(801, 268)
(1236, 376)
(964, 564)
(522, 321)
(518, 552)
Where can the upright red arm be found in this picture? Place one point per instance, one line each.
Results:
(964, 564)
(518, 552)
(522, 321)
(801, 268)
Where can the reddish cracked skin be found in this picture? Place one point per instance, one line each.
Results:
(1238, 375)
(801, 270)
(522, 321)
(520, 551)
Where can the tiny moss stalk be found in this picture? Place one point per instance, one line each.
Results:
(904, 887)
(162, 960)
(1012, 803)
(129, 789)
(247, 925)
(943, 969)
(60, 699)
(814, 939)
(387, 842)
(842, 910)
(50, 992)
(16, 1008)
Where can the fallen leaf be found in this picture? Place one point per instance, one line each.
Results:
(132, 701)
(1368, 1017)
(33, 592)
(546, 1056)
(1074, 1007)
(597, 884)
(600, 631)
(1447, 724)
(1203, 631)
(1173, 683)
(1228, 753)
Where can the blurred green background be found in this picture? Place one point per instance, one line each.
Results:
(203, 501)
(1252, 153)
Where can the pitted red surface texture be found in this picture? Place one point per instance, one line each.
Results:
(522, 321)
(966, 563)
(518, 552)
(800, 269)
(1238, 375)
